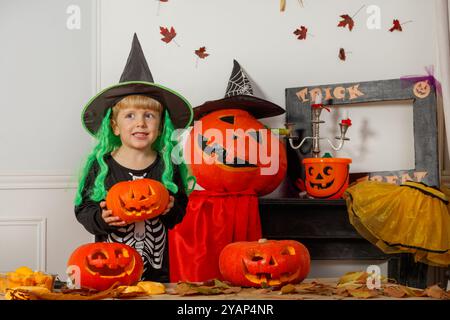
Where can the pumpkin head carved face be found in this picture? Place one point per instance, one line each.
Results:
(326, 178)
(229, 150)
(137, 200)
(264, 263)
(103, 264)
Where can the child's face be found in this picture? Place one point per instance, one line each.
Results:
(137, 128)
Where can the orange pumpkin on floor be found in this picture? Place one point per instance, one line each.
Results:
(230, 151)
(100, 265)
(326, 178)
(137, 200)
(264, 263)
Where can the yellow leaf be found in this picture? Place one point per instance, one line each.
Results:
(363, 293)
(24, 271)
(305, 286)
(351, 277)
(289, 288)
(151, 287)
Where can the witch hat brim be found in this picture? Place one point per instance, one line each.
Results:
(136, 79)
(239, 95)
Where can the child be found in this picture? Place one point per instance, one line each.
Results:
(134, 142)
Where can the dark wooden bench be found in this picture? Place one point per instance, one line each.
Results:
(324, 228)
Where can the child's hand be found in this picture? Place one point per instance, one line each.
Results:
(170, 205)
(109, 218)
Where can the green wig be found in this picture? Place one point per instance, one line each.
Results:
(108, 142)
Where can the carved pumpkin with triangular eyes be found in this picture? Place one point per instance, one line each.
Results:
(326, 178)
(264, 263)
(100, 265)
(229, 150)
(137, 200)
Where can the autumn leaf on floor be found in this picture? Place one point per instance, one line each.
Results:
(40, 293)
(315, 288)
(289, 288)
(399, 291)
(346, 21)
(437, 292)
(342, 54)
(359, 277)
(206, 288)
(168, 34)
(301, 33)
(396, 26)
(363, 293)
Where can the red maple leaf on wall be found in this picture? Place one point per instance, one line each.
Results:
(201, 52)
(301, 33)
(396, 26)
(346, 21)
(342, 55)
(168, 34)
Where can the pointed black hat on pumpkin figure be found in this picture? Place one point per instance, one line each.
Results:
(239, 95)
(136, 79)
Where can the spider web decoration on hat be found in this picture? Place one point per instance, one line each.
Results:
(239, 95)
(238, 83)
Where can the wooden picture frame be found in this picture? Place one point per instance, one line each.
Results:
(423, 95)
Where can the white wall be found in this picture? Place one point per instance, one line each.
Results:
(47, 74)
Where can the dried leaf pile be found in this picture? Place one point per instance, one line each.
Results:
(352, 285)
(205, 288)
(141, 289)
(355, 285)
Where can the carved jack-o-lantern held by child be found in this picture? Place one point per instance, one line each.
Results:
(235, 158)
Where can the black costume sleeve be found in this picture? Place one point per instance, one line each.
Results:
(176, 214)
(89, 212)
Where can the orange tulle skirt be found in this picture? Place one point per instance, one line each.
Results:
(412, 217)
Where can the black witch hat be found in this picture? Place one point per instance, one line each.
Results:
(239, 95)
(136, 79)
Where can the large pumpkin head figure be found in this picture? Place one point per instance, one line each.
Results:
(326, 178)
(101, 265)
(264, 263)
(137, 200)
(230, 151)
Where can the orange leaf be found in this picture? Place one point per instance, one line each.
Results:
(394, 291)
(435, 292)
(346, 20)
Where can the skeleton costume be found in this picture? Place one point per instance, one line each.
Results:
(148, 237)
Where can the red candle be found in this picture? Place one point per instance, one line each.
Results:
(317, 101)
(346, 122)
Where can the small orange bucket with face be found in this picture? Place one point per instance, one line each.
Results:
(326, 178)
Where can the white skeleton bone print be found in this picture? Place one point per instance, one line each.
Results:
(148, 237)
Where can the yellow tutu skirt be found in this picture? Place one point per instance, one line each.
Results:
(410, 218)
